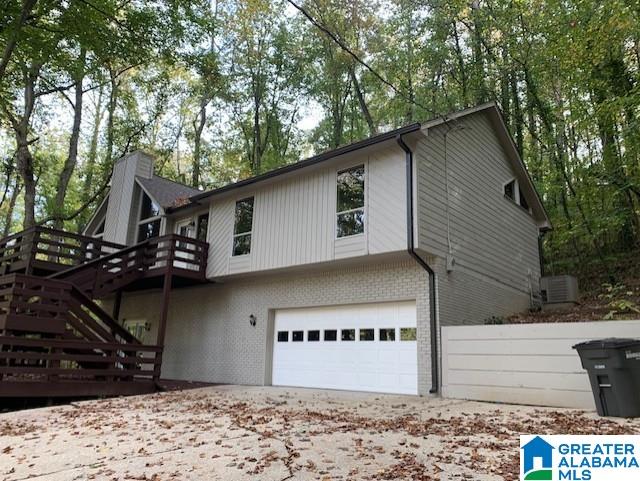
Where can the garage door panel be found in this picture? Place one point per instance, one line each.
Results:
(367, 365)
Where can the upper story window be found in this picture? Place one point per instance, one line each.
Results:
(149, 220)
(510, 190)
(350, 206)
(513, 192)
(100, 230)
(243, 227)
(202, 227)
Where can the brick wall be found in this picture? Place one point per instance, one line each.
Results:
(209, 337)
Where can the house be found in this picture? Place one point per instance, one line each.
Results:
(333, 272)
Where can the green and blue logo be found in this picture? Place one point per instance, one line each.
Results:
(580, 458)
(536, 460)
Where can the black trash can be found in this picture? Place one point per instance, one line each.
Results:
(614, 371)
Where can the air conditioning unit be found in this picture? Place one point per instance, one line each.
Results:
(559, 289)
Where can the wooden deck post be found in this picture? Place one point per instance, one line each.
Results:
(116, 305)
(164, 313)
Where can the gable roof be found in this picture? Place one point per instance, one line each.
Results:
(490, 108)
(504, 136)
(310, 161)
(167, 193)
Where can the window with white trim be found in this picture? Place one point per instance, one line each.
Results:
(243, 227)
(510, 190)
(513, 192)
(350, 214)
(149, 219)
(99, 233)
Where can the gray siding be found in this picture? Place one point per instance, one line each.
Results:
(491, 238)
(466, 297)
(295, 218)
(132, 234)
(209, 337)
(121, 196)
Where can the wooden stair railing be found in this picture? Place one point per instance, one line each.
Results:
(49, 328)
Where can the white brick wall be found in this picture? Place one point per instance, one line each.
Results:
(209, 337)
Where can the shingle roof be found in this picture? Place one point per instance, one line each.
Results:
(167, 192)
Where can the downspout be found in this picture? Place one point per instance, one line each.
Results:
(432, 275)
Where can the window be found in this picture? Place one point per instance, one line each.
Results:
(148, 230)
(243, 226)
(513, 192)
(137, 327)
(510, 190)
(330, 335)
(387, 334)
(366, 334)
(313, 336)
(202, 226)
(348, 335)
(297, 336)
(350, 206)
(149, 208)
(283, 336)
(407, 333)
(149, 220)
(100, 230)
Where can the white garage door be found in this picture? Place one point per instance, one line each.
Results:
(368, 347)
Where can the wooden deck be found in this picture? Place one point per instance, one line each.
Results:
(55, 340)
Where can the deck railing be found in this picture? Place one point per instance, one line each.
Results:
(51, 331)
(54, 339)
(50, 248)
(151, 257)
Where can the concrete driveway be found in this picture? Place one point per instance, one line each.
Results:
(263, 433)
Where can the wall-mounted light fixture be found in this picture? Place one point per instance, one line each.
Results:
(252, 320)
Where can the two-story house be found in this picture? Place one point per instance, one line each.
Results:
(338, 271)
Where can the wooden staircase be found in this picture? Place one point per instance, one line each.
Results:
(55, 339)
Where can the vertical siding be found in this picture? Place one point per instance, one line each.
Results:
(132, 235)
(113, 205)
(387, 201)
(220, 232)
(294, 219)
(144, 165)
(490, 236)
(121, 199)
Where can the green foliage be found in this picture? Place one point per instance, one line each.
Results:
(217, 89)
(495, 321)
(619, 300)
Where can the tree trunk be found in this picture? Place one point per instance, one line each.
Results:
(8, 220)
(518, 119)
(464, 81)
(92, 156)
(111, 112)
(27, 7)
(199, 124)
(361, 101)
(23, 154)
(72, 156)
(478, 57)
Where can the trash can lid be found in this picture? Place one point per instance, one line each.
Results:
(608, 343)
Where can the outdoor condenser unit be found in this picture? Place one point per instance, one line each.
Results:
(559, 289)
